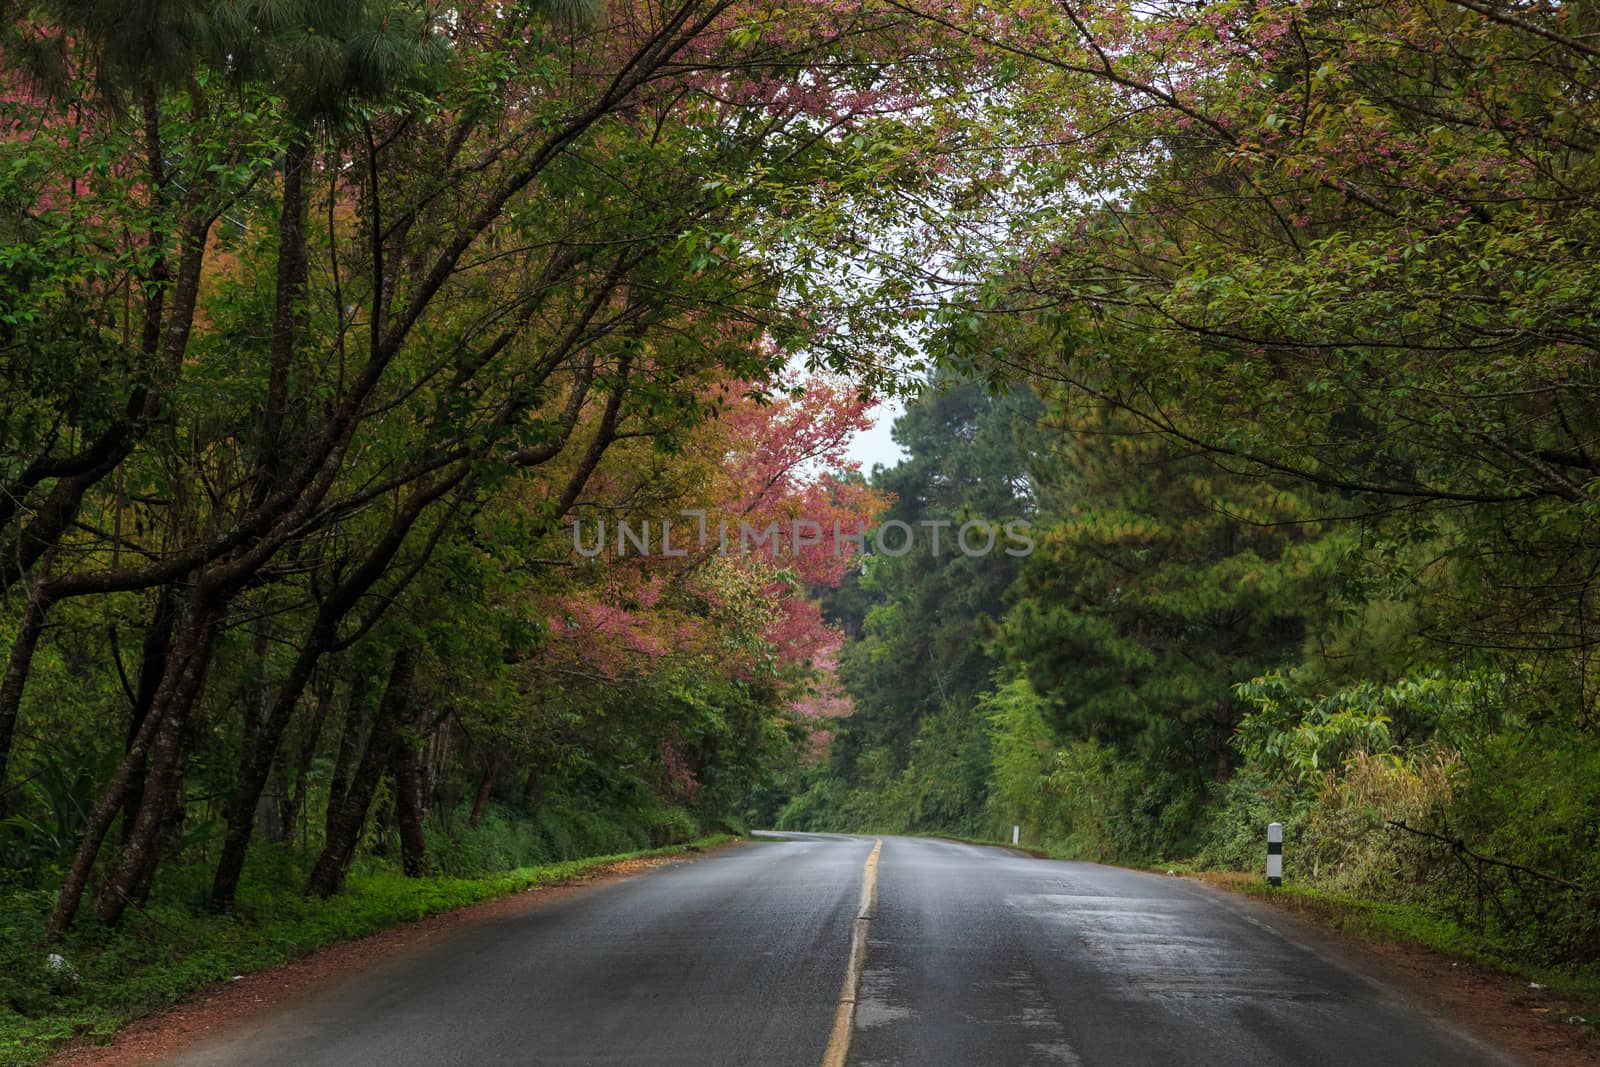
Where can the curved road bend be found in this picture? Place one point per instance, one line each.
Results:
(974, 956)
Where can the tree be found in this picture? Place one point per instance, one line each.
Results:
(1159, 583)
(925, 618)
(469, 247)
(912, 752)
(1342, 244)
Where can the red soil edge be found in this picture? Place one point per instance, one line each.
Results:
(1499, 1010)
(155, 1036)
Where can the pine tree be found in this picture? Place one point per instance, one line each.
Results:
(1161, 581)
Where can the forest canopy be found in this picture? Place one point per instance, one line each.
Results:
(322, 325)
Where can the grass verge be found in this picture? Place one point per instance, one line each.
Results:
(166, 953)
(1410, 925)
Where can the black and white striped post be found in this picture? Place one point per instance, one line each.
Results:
(1274, 853)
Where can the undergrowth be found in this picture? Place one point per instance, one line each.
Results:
(165, 953)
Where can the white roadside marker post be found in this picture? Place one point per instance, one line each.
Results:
(1274, 853)
(1016, 835)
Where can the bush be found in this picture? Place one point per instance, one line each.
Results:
(1532, 799)
(1349, 843)
(561, 829)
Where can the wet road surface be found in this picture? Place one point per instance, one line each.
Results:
(973, 956)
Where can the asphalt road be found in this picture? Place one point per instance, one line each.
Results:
(973, 956)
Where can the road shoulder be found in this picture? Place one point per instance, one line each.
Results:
(228, 1004)
(1501, 1011)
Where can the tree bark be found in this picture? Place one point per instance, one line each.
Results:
(1223, 727)
(18, 666)
(408, 807)
(288, 316)
(166, 762)
(182, 675)
(346, 822)
(154, 655)
(274, 798)
(355, 721)
(294, 810)
(485, 786)
(173, 811)
(436, 758)
(260, 754)
(261, 744)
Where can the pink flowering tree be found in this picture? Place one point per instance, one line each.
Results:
(695, 610)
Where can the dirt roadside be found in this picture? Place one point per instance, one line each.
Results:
(1530, 1024)
(155, 1036)
(1501, 1011)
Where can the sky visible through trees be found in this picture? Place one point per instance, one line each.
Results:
(321, 325)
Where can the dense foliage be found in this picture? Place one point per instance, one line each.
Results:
(1274, 318)
(1305, 291)
(319, 327)
(1182, 659)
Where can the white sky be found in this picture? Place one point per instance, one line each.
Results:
(876, 446)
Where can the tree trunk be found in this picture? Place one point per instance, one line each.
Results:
(436, 760)
(173, 811)
(355, 719)
(261, 746)
(166, 762)
(18, 666)
(189, 661)
(1223, 728)
(262, 743)
(274, 798)
(408, 807)
(345, 822)
(288, 316)
(256, 768)
(485, 786)
(154, 655)
(294, 810)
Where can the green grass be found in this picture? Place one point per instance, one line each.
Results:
(166, 953)
(1410, 924)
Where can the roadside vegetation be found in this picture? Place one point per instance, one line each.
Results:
(169, 951)
(1301, 397)
(321, 326)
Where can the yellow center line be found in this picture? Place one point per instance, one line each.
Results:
(844, 1015)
